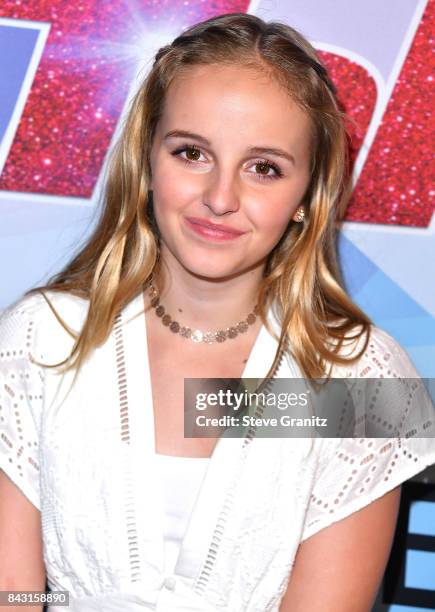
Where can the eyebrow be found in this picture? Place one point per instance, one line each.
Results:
(252, 150)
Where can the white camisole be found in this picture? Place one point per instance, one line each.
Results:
(180, 479)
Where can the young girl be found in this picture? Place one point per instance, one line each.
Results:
(214, 257)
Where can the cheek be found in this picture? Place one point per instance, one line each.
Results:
(271, 218)
(277, 227)
(172, 188)
(280, 206)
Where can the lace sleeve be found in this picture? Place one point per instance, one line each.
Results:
(21, 397)
(355, 471)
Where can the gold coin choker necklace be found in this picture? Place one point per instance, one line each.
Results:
(197, 335)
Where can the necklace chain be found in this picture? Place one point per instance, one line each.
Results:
(197, 335)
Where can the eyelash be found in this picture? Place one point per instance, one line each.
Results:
(275, 168)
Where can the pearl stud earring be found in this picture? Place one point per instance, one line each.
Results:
(299, 214)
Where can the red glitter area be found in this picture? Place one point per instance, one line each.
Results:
(356, 91)
(395, 186)
(81, 85)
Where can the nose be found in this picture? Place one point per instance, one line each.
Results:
(221, 194)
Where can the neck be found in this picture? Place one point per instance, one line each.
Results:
(205, 303)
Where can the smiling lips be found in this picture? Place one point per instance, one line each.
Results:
(203, 227)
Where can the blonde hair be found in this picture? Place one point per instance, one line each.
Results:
(302, 276)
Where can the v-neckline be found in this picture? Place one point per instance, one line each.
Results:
(223, 462)
(258, 341)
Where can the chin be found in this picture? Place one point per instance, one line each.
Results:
(215, 270)
(212, 272)
(208, 264)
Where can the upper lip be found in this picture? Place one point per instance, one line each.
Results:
(215, 226)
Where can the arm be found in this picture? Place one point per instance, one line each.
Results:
(21, 398)
(21, 559)
(340, 568)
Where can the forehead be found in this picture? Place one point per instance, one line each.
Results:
(233, 98)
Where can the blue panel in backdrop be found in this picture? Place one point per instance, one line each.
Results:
(422, 519)
(420, 570)
(16, 49)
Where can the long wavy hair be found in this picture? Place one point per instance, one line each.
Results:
(302, 276)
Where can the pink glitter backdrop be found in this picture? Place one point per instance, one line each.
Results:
(396, 185)
(81, 85)
(85, 73)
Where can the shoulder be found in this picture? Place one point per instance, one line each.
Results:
(383, 357)
(37, 306)
(34, 321)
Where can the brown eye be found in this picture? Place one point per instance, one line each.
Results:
(189, 154)
(192, 153)
(263, 167)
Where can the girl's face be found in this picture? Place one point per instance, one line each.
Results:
(230, 163)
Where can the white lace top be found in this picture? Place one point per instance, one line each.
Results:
(85, 456)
